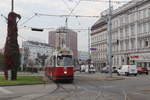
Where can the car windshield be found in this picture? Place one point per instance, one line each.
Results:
(64, 60)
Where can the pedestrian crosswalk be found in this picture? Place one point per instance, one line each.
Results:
(5, 91)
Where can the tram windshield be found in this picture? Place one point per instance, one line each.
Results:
(64, 60)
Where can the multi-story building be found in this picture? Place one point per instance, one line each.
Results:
(99, 43)
(130, 34)
(31, 50)
(64, 36)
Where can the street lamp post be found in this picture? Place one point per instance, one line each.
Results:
(109, 40)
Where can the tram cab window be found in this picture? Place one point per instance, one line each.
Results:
(64, 60)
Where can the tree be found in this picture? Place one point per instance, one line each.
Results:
(11, 53)
(41, 58)
(1, 61)
(26, 56)
(31, 63)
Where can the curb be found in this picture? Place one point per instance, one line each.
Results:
(22, 84)
(102, 78)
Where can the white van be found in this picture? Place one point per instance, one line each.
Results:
(127, 70)
(83, 68)
(92, 69)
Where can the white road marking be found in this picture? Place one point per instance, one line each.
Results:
(29, 97)
(125, 94)
(5, 90)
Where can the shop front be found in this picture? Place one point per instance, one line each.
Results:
(141, 60)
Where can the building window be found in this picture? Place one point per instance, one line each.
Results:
(126, 30)
(140, 28)
(121, 32)
(149, 27)
(132, 44)
(140, 44)
(146, 43)
(132, 29)
(121, 45)
(140, 14)
(127, 45)
(144, 28)
(127, 19)
(148, 12)
(144, 13)
(121, 21)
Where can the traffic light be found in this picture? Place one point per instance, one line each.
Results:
(37, 29)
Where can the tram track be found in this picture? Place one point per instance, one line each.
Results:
(102, 89)
(60, 86)
(74, 90)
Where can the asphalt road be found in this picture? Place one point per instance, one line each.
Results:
(83, 88)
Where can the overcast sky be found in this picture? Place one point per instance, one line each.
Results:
(27, 8)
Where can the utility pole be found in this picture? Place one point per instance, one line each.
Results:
(89, 60)
(12, 5)
(89, 43)
(65, 38)
(109, 40)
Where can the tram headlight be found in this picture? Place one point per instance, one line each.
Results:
(65, 72)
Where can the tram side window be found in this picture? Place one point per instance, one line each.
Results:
(51, 61)
(54, 61)
(47, 62)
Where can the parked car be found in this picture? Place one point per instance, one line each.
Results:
(127, 70)
(105, 69)
(142, 70)
(114, 69)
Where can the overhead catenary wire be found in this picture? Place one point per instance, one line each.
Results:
(28, 19)
(51, 15)
(66, 4)
(52, 28)
(71, 10)
(103, 1)
(75, 7)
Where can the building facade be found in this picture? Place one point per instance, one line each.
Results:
(130, 34)
(82, 55)
(99, 43)
(64, 36)
(31, 50)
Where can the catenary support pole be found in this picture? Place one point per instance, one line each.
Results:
(12, 5)
(89, 43)
(110, 40)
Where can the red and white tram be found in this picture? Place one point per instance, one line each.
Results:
(60, 66)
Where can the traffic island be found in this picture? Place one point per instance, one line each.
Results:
(22, 80)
